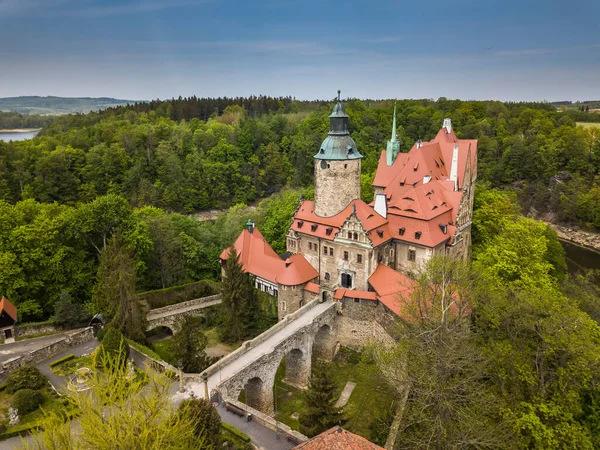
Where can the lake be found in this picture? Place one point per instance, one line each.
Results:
(579, 258)
(17, 136)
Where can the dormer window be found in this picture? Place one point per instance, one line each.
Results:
(322, 151)
(313, 227)
(350, 150)
(328, 231)
(401, 231)
(300, 223)
(444, 228)
(380, 233)
(417, 235)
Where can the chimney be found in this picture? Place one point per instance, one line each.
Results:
(250, 225)
(381, 205)
(419, 143)
(447, 125)
(454, 167)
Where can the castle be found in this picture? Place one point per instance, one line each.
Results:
(345, 249)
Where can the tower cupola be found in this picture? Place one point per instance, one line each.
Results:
(338, 144)
(337, 166)
(393, 145)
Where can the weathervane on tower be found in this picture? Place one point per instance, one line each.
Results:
(339, 92)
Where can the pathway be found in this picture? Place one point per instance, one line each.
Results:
(18, 348)
(345, 395)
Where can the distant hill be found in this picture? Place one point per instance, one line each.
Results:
(58, 105)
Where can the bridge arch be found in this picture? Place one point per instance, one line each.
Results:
(324, 343)
(298, 367)
(259, 395)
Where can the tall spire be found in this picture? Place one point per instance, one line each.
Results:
(394, 124)
(393, 145)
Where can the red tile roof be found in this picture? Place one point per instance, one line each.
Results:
(9, 308)
(353, 293)
(420, 196)
(256, 255)
(305, 220)
(312, 287)
(391, 287)
(296, 270)
(338, 439)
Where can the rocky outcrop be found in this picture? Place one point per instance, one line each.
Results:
(586, 239)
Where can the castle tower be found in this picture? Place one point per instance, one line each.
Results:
(337, 167)
(393, 145)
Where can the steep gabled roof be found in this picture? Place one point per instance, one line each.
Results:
(337, 438)
(9, 308)
(256, 255)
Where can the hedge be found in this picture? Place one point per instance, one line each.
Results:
(237, 433)
(178, 294)
(65, 358)
(27, 400)
(143, 349)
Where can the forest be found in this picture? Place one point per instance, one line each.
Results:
(146, 168)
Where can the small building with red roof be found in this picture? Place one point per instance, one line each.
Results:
(8, 319)
(337, 438)
(345, 248)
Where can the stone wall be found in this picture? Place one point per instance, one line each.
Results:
(179, 306)
(289, 299)
(155, 364)
(363, 321)
(41, 354)
(271, 424)
(336, 185)
(38, 328)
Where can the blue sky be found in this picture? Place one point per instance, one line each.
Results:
(469, 49)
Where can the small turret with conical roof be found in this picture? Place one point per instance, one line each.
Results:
(393, 145)
(337, 166)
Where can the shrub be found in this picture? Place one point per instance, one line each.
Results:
(65, 358)
(206, 419)
(100, 334)
(25, 377)
(237, 433)
(114, 349)
(27, 400)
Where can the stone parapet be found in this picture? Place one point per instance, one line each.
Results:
(41, 354)
(198, 302)
(259, 339)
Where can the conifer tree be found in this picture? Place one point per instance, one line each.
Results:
(236, 290)
(319, 414)
(188, 345)
(114, 292)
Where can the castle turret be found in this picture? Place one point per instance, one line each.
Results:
(337, 167)
(393, 145)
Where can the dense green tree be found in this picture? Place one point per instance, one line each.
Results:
(188, 346)
(114, 292)
(206, 419)
(319, 412)
(114, 349)
(240, 306)
(68, 313)
(438, 365)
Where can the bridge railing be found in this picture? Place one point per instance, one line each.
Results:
(177, 306)
(226, 360)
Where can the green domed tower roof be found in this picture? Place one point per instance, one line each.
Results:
(338, 145)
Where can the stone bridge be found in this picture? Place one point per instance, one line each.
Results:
(171, 316)
(307, 332)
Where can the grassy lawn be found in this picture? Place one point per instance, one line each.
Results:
(163, 349)
(68, 367)
(371, 396)
(589, 124)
